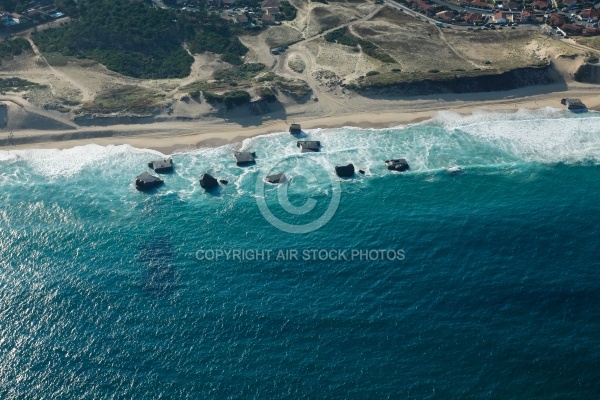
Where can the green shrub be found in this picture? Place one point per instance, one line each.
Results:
(219, 40)
(267, 94)
(236, 98)
(268, 77)
(16, 84)
(288, 11)
(434, 71)
(240, 72)
(344, 37)
(371, 73)
(10, 48)
(231, 99)
(128, 37)
(212, 97)
(233, 59)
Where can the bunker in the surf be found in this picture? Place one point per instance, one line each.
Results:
(295, 129)
(244, 158)
(277, 178)
(399, 164)
(345, 171)
(308, 146)
(208, 182)
(161, 166)
(146, 181)
(574, 105)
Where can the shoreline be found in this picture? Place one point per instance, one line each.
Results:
(170, 137)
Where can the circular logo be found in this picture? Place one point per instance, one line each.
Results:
(288, 174)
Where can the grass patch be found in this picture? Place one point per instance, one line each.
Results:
(230, 99)
(217, 86)
(295, 87)
(17, 84)
(344, 37)
(393, 78)
(124, 99)
(296, 64)
(240, 72)
(267, 94)
(232, 59)
(593, 42)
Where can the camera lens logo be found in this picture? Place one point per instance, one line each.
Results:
(317, 172)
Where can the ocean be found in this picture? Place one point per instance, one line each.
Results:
(483, 282)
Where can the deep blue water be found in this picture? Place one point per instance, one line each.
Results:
(105, 292)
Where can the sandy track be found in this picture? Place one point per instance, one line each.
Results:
(453, 50)
(86, 93)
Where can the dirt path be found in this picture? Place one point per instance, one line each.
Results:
(328, 100)
(86, 93)
(453, 50)
(195, 73)
(572, 43)
(347, 24)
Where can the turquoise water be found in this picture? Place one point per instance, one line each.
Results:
(491, 289)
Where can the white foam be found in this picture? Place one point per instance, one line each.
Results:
(451, 119)
(548, 140)
(53, 163)
(482, 139)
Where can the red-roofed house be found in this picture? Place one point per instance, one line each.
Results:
(572, 29)
(539, 5)
(269, 3)
(526, 16)
(429, 9)
(557, 20)
(589, 31)
(267, 19)
(473, 18)
(480, 4)
(590, 13)
(272, 10)
(445, 15)
(502, 17)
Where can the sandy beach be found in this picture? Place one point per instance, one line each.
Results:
(172, 136)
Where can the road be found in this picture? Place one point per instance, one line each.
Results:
(425, 18)
(347, 24)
